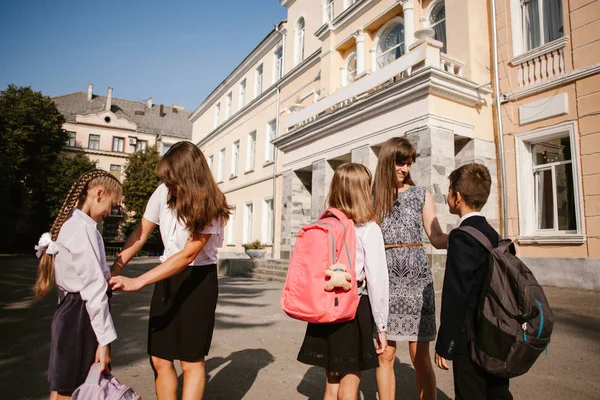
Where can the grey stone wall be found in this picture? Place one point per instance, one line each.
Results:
(296, 207)
(366, 156)
(322, 172)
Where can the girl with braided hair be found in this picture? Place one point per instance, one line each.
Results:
(191, 211)
(72, 256)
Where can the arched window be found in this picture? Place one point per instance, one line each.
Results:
(437, 22)
(300, 34)
(390, 45)
(349, 72)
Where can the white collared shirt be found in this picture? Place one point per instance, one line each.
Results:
(80, 267)
(469, 215)
(175, 235)
(371, 264)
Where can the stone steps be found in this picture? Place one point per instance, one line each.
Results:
(269, 273)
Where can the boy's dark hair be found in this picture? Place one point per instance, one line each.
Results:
(473, 182)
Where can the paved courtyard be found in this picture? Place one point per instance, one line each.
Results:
(254, 349)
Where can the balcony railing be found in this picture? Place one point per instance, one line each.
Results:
(541, 64)
(424, 53)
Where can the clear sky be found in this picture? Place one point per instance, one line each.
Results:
(176, 52)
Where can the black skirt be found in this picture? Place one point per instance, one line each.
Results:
(342, 347)
(73, 345)
(182, 314)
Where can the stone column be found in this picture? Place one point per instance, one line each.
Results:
(365, 156)
(360, 52)
(322, 172)
(408, 11)
(296, 205)
(435, 161)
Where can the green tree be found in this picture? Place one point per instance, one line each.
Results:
(31, 138)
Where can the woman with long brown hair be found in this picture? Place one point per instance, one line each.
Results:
(191, 212)
(403, 211)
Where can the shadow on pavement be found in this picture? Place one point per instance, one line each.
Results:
(313, 384)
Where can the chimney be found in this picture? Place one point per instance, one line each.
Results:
(161, 110)
(149, 103)
(109, 99)
(90, 91)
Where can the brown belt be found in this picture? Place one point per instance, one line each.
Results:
(396, 245)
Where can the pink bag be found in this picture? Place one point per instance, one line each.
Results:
(102, 386)
(330, 240)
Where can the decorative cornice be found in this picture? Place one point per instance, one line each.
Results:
(555, 239)
(97, 152)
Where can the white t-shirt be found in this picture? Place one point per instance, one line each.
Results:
(173, 232)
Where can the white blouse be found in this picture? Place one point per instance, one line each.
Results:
(173, 232)
(80, 267)
(372, 265)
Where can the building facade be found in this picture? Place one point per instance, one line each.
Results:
(338, 79)
(549, 74)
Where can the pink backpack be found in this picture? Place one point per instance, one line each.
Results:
(102, 386)
(330, 240)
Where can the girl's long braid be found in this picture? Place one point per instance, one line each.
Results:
(77, 193)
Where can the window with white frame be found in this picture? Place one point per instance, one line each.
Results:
(231, 227)
(328, 12)
(217, 114)
(141, 145)
(251, 151)
(278, 67)
(228, 105)
(210, 163)
(299, 40)
(235, 151)
(349, 70)
(270, 136)
(166, 147)
(94, 142)
(221, 168)
(550, 196)
(390, 44)
(348, 3)
(539, 22)
(71, 139)
(242, 101)
(437, 22)
(258, 81)
(248, 217)
(115, 170)
(118, 144)
(267, 221)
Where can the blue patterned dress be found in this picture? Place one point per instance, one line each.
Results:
(412, 298)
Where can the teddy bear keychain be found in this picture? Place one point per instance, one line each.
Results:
(338, 278)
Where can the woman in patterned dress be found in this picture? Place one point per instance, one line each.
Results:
(403, 210)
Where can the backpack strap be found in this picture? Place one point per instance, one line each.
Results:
(477, 235)
(93, 377)
(334, 212)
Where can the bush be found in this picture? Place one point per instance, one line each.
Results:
(256, 245)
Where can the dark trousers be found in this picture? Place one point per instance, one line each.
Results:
(473, 383)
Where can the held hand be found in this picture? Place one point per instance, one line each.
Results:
(103, 357)
(125, 284)
(441, 362)
(381, 343)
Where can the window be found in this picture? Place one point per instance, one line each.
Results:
(437, 22)
(267, 220)
(141, 145)
(349, 71)
(258, 84)
(541, 22)
(94, 142)
(235, 151)
(248, 215)
(242, 94)
(118, 144)
(251, 151)
(221, 168)
(166, 147)
(348, 3)
(300, 36)
(270, 136)
(328, 11)
(549, 191)
(391, 43)
(210, 163)
(217, 114)
(115, 171)
(278, 69)
(228, 105)
(71, 139)
(231, 227)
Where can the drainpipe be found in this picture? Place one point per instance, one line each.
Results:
(276, 134)
(499, 121)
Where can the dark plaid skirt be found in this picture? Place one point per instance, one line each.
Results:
(343, 347)
(73, 345)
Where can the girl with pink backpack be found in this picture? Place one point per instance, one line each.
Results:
(345, 349)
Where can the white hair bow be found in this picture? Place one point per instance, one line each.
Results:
(46, 245)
